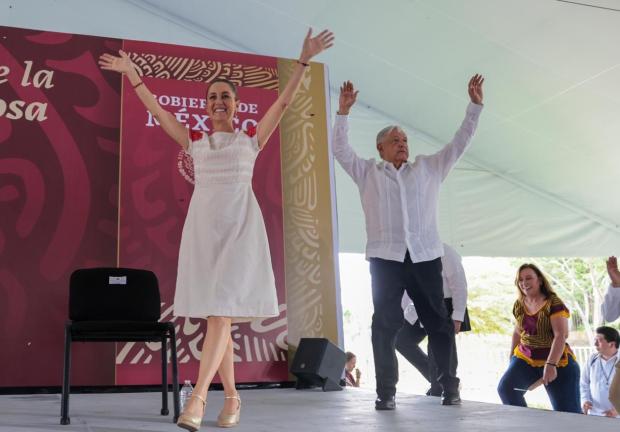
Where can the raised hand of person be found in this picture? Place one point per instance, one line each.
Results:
(169, 123)
(474, 88)
(311, 47)
(121, 64)
(315, 45)
(348, 96)
(613, 271)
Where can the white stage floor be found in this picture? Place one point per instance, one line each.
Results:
(288, 410)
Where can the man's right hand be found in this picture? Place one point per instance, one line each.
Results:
(613, 271)
(587, 406)
(348, 96)
(474, 88)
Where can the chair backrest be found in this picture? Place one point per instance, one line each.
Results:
(113, 294)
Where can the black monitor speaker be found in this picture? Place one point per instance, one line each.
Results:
(318, 363)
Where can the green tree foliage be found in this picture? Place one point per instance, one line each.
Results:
(491, 294)
(580, 283)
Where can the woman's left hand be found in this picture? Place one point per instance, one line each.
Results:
(550, 373)
(315, 45)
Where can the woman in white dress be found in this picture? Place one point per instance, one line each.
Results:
(223, 220)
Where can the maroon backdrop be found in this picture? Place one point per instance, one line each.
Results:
(60, 119)
(58, 198)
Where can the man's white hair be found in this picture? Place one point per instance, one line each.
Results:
(386, 131)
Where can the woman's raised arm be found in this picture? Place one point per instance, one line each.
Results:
(311, 47)
(122, 64)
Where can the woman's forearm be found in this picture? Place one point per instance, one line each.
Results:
(274, 114)
(516, 338)
(292, 86)
(143, 93)
(168, 122)
(557, 348)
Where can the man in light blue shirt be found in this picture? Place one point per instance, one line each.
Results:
(597, 374)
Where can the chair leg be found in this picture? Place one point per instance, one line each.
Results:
(64, 406)
(175, 373)
(164, 376)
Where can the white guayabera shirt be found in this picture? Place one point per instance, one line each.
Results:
(400, 205)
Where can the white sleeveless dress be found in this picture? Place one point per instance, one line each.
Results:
(224, 260)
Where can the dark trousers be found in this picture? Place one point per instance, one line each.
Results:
(408, 341)
(423, 283)
(563, 391)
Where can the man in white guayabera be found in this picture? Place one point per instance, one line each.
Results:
(399, 199)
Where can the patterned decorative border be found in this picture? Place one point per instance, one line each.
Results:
(188, 69)
(308, 231)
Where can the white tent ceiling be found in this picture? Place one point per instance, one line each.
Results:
(542, 176)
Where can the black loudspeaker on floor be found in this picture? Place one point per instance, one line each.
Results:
(318, 363)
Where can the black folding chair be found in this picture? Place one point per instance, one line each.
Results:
(118, 305)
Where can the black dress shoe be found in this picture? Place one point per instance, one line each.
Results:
(433, 391)
(451, 398)
(385, 404)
